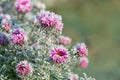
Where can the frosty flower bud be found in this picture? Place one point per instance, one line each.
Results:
(24, 68)
(23, 5)
(83, 62)
(18, 36)
(82, 50)
(73, 76)
(3, 39)
(59, 54)
(64, 40)
(6, 25)
(6, 16)
(48, 19)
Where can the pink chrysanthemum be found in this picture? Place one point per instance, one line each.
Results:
(24, 68)
(47, 18)
(59, 54)
(18, 36)
(83, 62)
(82, 49)
(73, 76)
(64, 40)
(23, 5)
(59, 26)
(6, 25)
(3, 39)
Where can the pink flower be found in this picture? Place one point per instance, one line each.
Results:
(6, 25)
(23, 5)
(73, 76)
(64, 40)
(3, 39)
(59, 54)
(83, 62)
(18, 36)
(59, 26)
(24, 68)
(48, 19)
(82, 50)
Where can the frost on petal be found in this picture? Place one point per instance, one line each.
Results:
(24, 68)
(59, 54)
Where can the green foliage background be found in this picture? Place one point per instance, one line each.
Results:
(97, 22)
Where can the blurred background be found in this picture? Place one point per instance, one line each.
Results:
(97, 23)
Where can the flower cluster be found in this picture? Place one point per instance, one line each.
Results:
(50, 19)
(82, 51)
(34, 48)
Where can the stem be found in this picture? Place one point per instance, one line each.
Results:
(30, 35)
